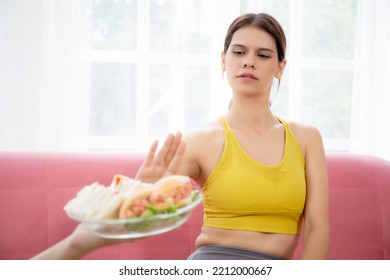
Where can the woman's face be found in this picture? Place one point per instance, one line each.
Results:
(251, 61)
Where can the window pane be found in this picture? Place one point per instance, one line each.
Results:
(113, 99)
(329, 28)
(197, 94)
(160, 100)
(326, 101)
(280, 98)
(180, 26)
(114, 24)
(179, 98)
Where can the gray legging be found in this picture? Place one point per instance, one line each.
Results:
(212, 252)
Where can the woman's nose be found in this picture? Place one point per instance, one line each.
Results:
(247, 65)
(248, 62)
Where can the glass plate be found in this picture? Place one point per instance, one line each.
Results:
(140, 227)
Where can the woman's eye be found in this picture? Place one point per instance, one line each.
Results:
(238, 52)
(263, 56)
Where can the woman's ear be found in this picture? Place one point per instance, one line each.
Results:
(223, 66)
(281, 67)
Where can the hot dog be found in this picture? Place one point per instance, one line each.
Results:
(168, 193)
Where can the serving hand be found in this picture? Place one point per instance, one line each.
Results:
(166, 162)
(77, 245)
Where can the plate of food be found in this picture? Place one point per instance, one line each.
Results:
(130, 208)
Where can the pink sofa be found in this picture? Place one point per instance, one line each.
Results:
(34, 187)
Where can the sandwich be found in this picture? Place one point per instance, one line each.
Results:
(98, 202)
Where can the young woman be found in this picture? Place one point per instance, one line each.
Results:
(264, 180)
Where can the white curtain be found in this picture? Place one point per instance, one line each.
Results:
(42, 87)
(370, 121)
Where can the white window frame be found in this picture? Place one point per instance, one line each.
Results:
(144, 59)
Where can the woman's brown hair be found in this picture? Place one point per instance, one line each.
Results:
(263, 21)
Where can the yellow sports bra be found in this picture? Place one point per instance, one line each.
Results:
(243, 194)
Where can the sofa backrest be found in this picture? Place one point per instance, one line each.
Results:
(35, 186)
(359, 206)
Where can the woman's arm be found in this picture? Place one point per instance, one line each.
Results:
(316, 216)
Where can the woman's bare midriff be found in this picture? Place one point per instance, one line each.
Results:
(282, 245)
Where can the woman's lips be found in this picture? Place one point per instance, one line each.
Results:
(248, 76)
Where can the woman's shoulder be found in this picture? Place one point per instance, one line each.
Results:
(303, 128)
(203, 147)
(307, 135)
(205, 140)
(205, 133)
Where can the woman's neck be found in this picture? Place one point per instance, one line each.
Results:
(251, 115)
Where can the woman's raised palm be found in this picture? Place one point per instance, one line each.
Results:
(166, 162)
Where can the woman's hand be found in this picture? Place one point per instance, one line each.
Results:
(166, 162)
